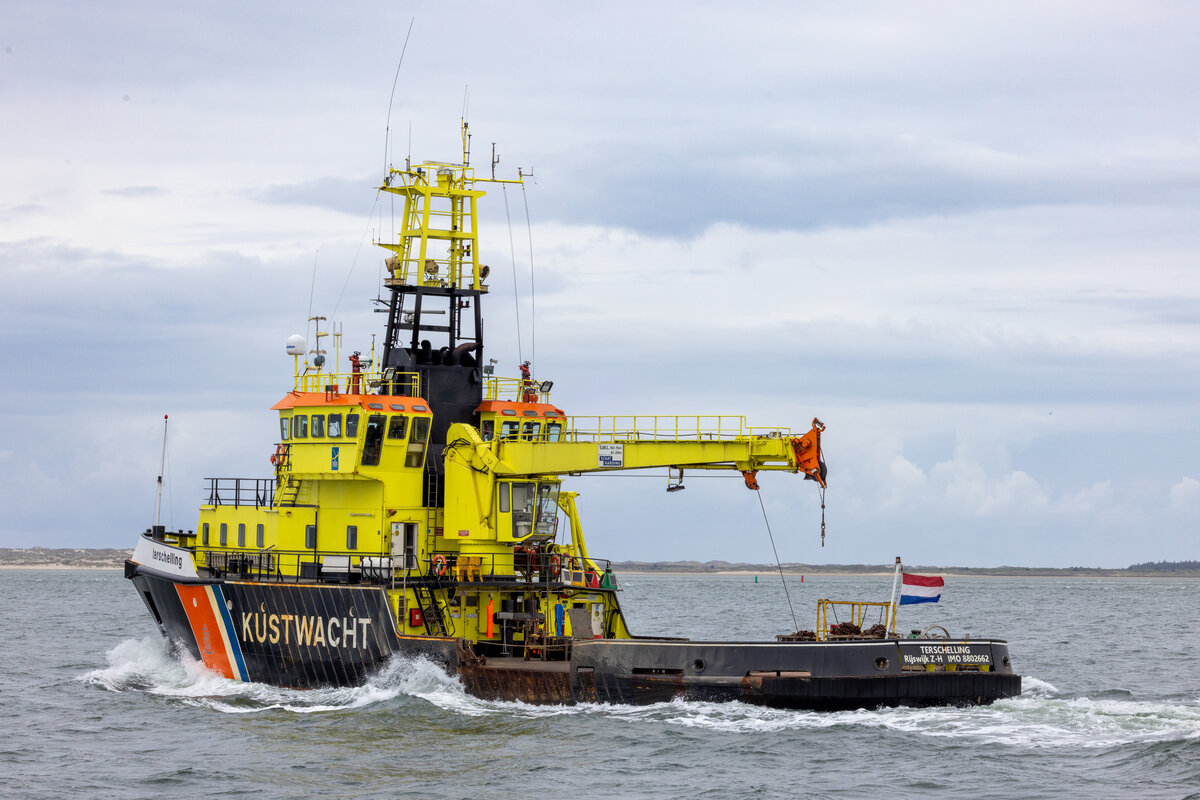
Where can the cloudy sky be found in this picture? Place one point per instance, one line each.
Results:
(963, 235)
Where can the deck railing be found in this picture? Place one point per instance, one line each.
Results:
(371, 381)
(632, 428)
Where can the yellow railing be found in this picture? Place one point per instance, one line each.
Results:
(858, 615)
(515, 390)
(700, 428)
(366, 382)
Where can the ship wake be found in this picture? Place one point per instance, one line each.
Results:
(1043, 717)
(151, 666)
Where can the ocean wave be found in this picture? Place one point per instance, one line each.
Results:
(1042, 717)
(149, 665)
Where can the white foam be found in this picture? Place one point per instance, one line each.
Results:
(1042, 717)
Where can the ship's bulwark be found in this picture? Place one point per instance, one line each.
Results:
(304, 635)
(300, 636)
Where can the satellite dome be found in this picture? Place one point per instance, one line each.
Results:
(296, 345)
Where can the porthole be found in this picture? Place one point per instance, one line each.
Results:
(881, 663)
(698, 665)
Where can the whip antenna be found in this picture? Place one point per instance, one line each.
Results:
(388, 128)
(161, 467)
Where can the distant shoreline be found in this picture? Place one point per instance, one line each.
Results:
(45, 558)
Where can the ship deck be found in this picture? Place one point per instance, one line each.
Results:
(519, 663)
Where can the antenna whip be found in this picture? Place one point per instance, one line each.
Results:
(161, 465)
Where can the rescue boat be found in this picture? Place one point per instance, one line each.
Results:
(415, 507)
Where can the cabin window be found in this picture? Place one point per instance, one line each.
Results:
(373, 445)
(508, 429)
(351, 537)
(522, 509)
(547, 510)
(204, 534)
(395, 406)
(335, 426)
(310, 537)
(352, 425)
(553, 431)
(416, 443)
(398, 426)
(530, 412)
(508, 412)
(241, 534)
(502, 488)
(488, 430)
(318, 425)
(285, 428)
(224, 535)
(300, 426)
(530, 431)
(260, 536)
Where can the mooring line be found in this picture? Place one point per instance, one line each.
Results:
(786, 593)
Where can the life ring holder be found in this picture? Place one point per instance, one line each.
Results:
(440, 565)
(554, 566)
(280, 453)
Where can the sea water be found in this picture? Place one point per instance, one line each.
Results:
(96, 705)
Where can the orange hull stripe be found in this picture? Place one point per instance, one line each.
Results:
(207, 628)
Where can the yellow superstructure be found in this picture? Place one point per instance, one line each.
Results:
(418, 472)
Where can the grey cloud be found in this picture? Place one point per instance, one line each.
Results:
(688, 188)
(347, 195)
(135, 191)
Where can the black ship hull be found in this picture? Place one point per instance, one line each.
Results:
(307, 635)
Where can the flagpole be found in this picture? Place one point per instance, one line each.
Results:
(895, 583)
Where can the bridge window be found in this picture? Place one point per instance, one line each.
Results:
(241, 534)
(522, 509)
(204, 534)
(553, 431)
(335, 426)
(310, 537)
(224, 535)
(488, 430)
(530, 431)
(285, 428)
(502, 488)
(352, 425)
(416, 443)
(547, 513)
(351, 537)
(318, 425)
(300, 426)
(508, 429)
(261, 537)
(373, 445)
(398, 426)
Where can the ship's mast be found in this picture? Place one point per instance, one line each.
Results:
(433, 342)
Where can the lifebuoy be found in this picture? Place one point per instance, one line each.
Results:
(440, 566)
(280, 452)
(555, 566)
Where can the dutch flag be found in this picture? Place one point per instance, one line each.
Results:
(920, 589)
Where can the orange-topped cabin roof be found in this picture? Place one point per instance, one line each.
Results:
(499, 407)
(368, 402)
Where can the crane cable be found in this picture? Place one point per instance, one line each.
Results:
(778, 565)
